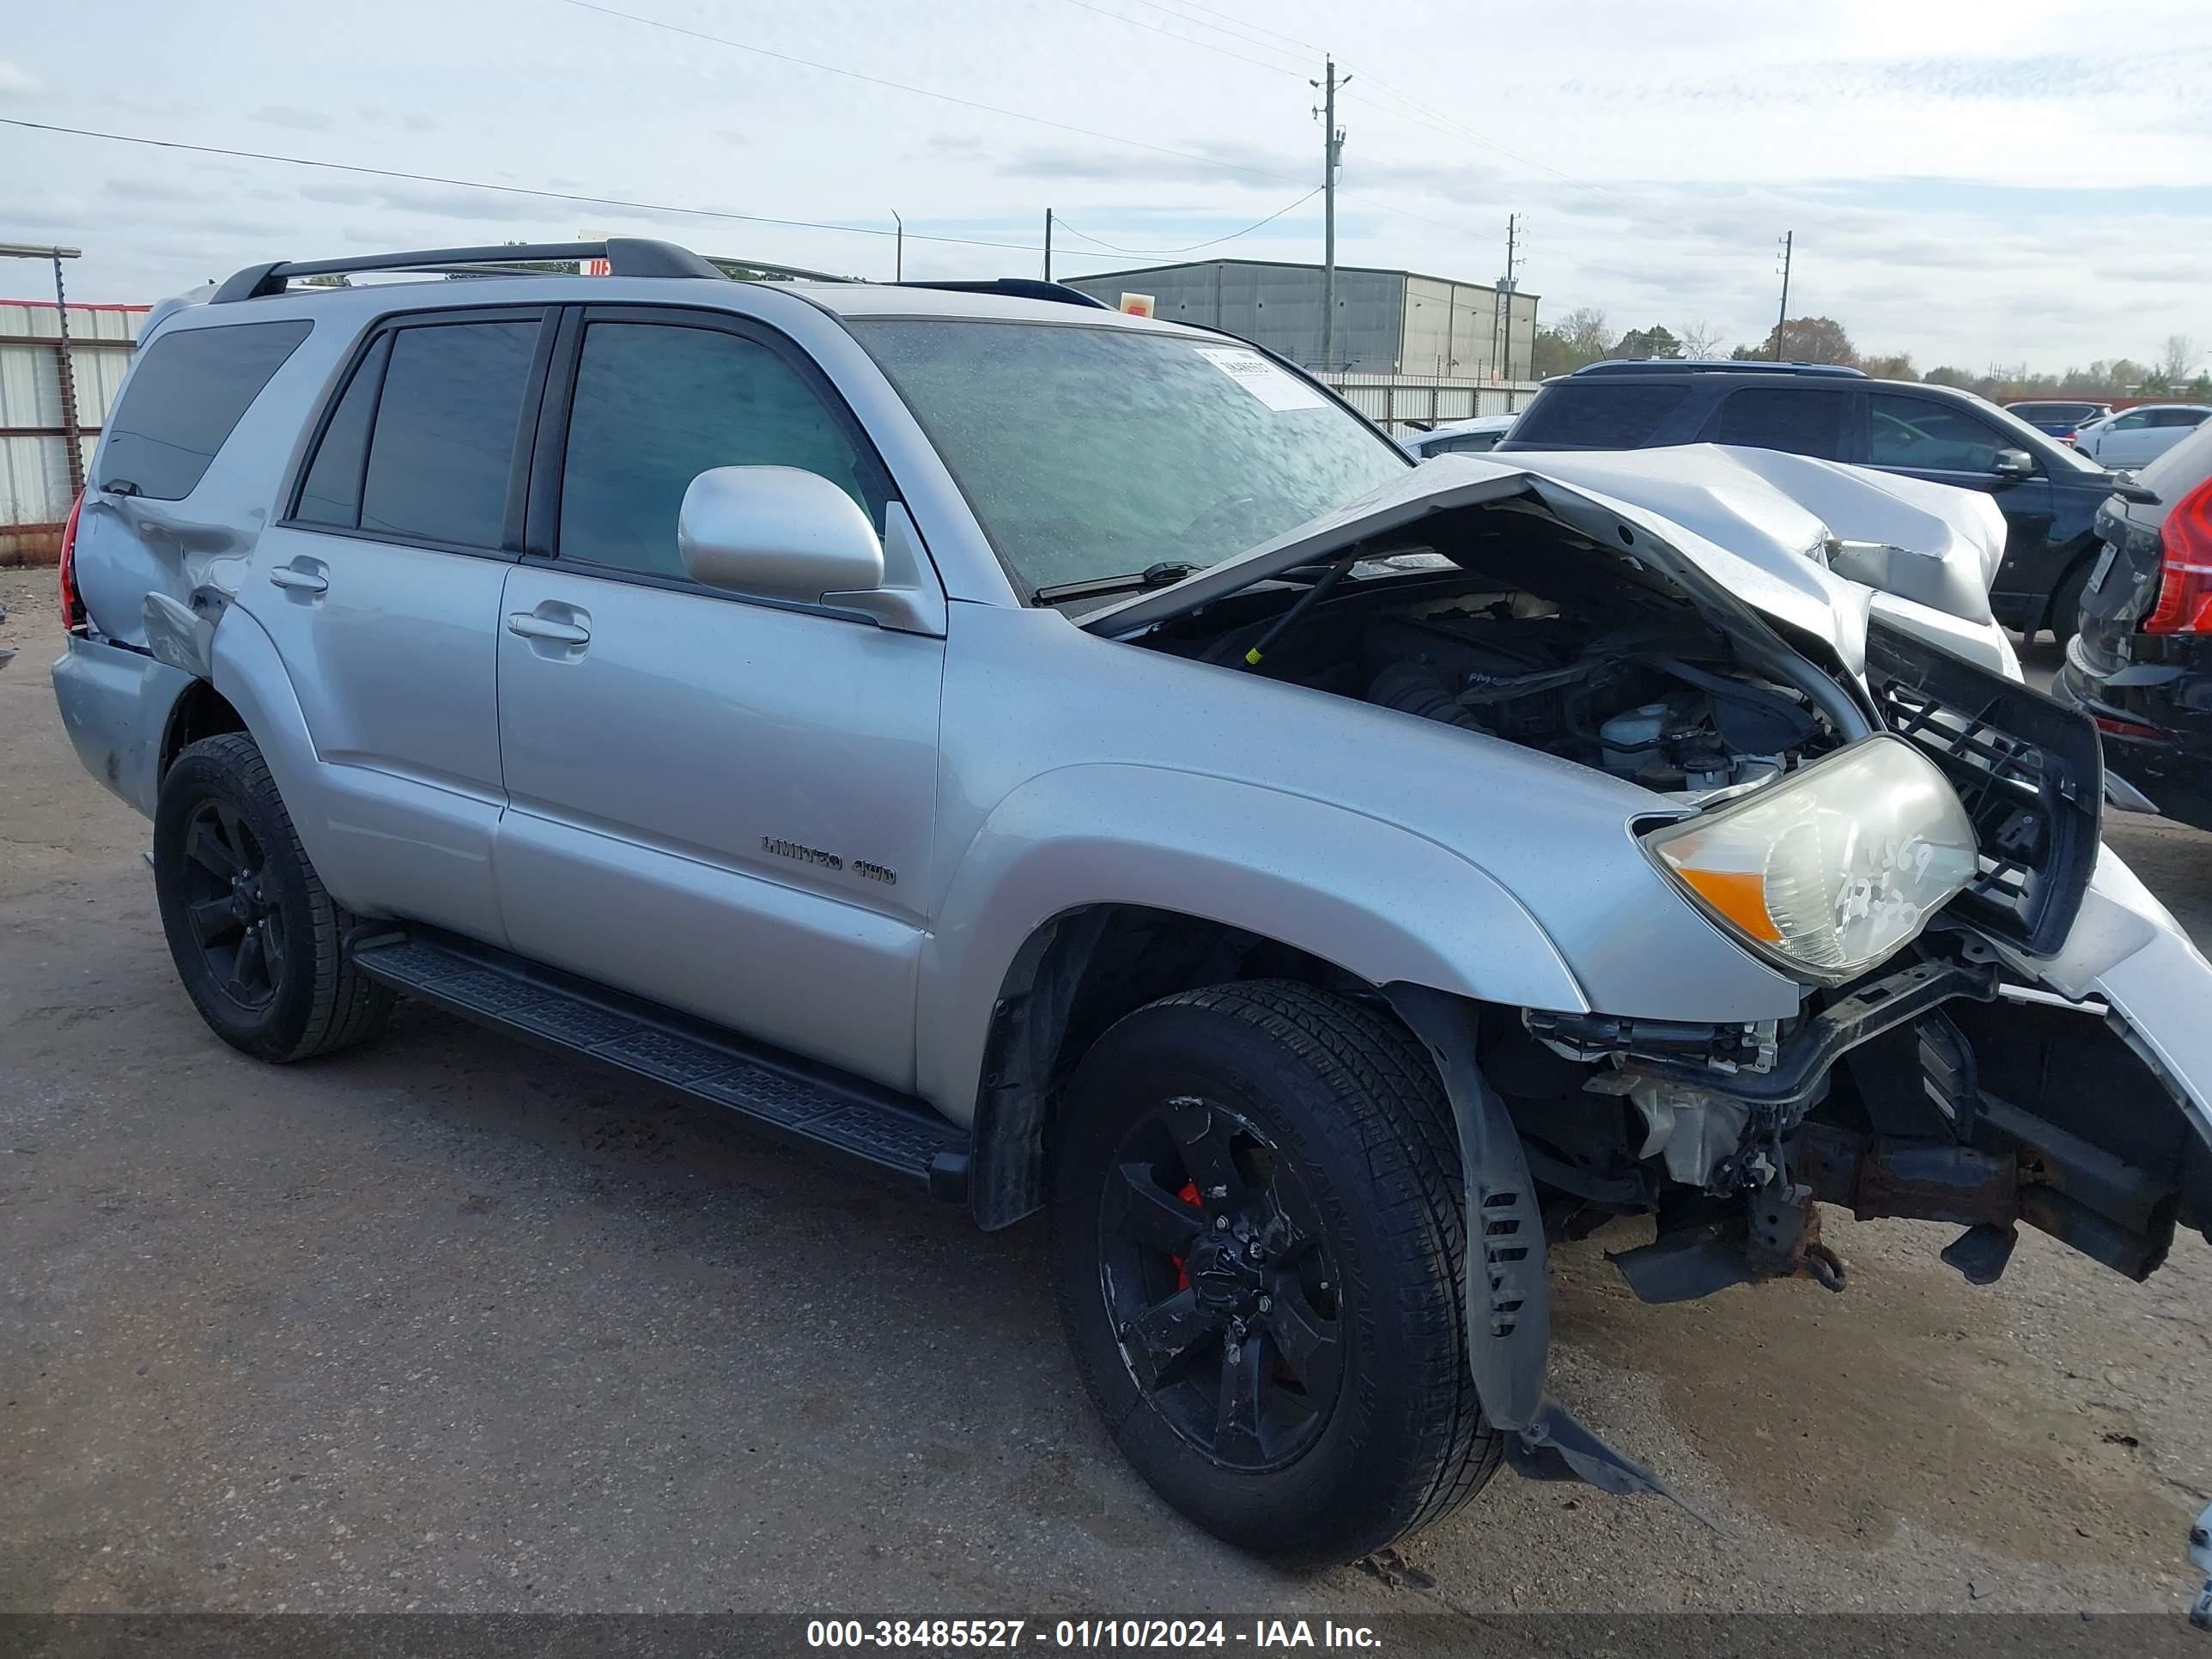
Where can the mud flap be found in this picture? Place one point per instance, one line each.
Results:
(1508, 1319)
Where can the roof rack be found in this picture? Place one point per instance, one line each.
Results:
(627, 256)
(1019, 288)
(1713, 366)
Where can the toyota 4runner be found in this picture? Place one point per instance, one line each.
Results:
(1060, 759)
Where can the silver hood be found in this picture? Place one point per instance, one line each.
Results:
(1808, 543)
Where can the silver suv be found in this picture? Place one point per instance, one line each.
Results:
(1062, 759)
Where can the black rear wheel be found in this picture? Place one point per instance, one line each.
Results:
(1258, 1237)
(258, 942)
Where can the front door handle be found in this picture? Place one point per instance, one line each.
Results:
(531, 626)
(299, 581)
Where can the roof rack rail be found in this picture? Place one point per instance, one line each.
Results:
(781, 273)
(1714, 366)
(627, 256)
(1019, 288)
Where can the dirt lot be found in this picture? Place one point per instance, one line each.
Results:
(446, 1325)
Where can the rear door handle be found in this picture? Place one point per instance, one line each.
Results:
(531, 626)
(299, 581)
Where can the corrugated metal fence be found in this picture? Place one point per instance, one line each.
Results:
(40, 406)
(1404, 403)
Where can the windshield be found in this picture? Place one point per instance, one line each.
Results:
(1089, 452)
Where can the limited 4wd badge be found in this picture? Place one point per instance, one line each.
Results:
(803, 853)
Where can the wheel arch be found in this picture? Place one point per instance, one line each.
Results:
(1049, 932)
(2078, 554)
(248, 677)
(200, 711)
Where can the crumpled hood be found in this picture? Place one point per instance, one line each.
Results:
(1800, 540)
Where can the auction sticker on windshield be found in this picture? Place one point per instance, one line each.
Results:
(1262, 379)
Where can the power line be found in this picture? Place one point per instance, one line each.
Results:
(1157, 253)
(925, 92)
(510, 190)
(1193, 5)
(1234, 34)
(1203, 45)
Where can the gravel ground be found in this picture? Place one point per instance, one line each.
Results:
(445, 1324)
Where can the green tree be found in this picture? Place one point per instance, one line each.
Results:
(1897, 366)
(1658, 341)
(1581, 337)
(1805, 340)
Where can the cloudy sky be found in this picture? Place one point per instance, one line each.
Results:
(2024, 180)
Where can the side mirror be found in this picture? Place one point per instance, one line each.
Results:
(2013, 464)
(776, 532)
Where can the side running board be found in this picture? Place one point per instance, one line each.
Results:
(807, 1104)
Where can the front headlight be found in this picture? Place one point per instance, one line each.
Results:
(1835, 867)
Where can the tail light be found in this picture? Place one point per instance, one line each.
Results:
(75, 619)
(2185, 584)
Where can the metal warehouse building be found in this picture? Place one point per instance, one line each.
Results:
(1387, 322)
(41, 408)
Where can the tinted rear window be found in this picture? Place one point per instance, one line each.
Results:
(185, 396)
(443, 446)
(1804, 423)
(2053, 411)
(1610, 416)
(332, 493)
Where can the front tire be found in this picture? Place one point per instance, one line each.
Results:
(258, 942)
(1259, 1233)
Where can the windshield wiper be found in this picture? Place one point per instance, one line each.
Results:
(1165, 573)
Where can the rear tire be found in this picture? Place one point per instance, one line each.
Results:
(258, 943)
(1258, 1236)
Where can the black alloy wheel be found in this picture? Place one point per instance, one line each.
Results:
(258, 941)
(1219, 1283)
(230, 905)
(1258, 1239)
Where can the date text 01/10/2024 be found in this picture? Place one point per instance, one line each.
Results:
(1261, 1635)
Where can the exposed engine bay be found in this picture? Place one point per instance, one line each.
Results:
(1530, 634)
(1632, 699)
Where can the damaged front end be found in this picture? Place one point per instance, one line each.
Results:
(2032, 1056)
(1993, 1023)
(1950, 1084)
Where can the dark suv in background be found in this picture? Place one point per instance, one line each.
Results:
(2142, 664)
(2049, 492)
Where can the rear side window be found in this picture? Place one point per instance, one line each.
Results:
(332, 492)
(443, 448)
(1800, 421)
(1619, 415)
(657, 404)
(185, 396)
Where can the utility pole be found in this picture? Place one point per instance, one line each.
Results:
(1506, 284)
(1332, 156)
(898, 258)
(1047, 245)
(1788, 238)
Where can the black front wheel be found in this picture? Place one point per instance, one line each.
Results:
(258, 942)
(1258, 1237)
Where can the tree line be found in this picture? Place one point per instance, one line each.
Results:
(1583, 335)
